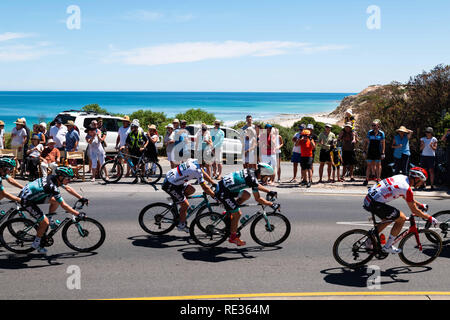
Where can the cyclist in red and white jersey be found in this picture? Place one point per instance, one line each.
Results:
(390, 189)
(176, 184)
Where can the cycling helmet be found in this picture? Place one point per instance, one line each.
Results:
(7, 163)
(418, 172)
(64, 172)
(265, 169)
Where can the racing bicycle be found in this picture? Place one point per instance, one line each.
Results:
(355, 248)
(80, 234)
(444, 222)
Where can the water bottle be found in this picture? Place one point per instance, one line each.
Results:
(54, 223)
(245, 219)
(2, 213)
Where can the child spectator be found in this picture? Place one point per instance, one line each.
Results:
(336, 160)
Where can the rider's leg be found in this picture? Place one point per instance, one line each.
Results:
(53, 205)
(398, 225)
(244, 196)
(188, 191)
(42, 227)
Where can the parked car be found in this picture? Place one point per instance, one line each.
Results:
(83, 119)
(232, 145)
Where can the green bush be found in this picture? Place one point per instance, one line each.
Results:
(196, 116)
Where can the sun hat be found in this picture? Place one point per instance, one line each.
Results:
(328, 125)
(310, 126)
(348, 124)
(429, 129)
(49, 141)
(183, 122)
(349, 111)
(135, 123)
(19, 121)
(24, 120)
(169, 126)
(152, 126)
(2, 123)
(176, 121)
(402, 129)
(217, 121)
(43, 124)
(126, 118)
(70, 123)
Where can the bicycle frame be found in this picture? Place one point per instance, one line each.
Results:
(4, 215)
(135, 169)
(191, 210)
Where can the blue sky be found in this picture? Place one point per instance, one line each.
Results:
(215, 45)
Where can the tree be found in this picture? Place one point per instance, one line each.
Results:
(95, 108)
(147, 117)
(196, 116)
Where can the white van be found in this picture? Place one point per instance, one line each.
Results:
(83, 119)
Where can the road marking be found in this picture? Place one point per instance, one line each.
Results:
(295, 294)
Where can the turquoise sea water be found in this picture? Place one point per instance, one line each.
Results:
(227, 106)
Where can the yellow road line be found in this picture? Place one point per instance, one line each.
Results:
(296, 294)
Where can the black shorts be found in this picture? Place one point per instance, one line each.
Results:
(227, 198)
(306, 163)
(176, 192)
(324, 156)
(32, 209)
(382, 210)
(349, 158)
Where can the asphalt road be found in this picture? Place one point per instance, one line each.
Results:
(133, 264)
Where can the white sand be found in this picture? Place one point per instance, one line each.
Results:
(287, 120)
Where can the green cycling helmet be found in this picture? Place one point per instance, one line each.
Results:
(7, 163)
(265, 169)
(64, 172)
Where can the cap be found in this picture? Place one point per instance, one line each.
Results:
(348, 124)
(310, 126)
(135, 123)
(349, 111)
(429, 129)
(43, 124)
(49, 141)
(24, 120)
(268, 126)
(169, 126)
(58, 120)
(328, 125)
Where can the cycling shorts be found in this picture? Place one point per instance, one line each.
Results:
(227, 198)
(33, 209)
(381, 210)
(175, 191)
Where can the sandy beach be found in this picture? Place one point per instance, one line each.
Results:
(287, 120)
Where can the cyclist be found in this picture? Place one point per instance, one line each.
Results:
(233, 186)
(393, 188)
(6, 166)
(176, 184)
(47, 190)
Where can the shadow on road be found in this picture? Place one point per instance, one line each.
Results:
(159, 242)
(220, 254)
(359, 277)
(20, 261)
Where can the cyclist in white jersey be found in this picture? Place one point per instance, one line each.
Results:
(390, 189)
(176, 184)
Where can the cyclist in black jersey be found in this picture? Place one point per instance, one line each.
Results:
(6, 166)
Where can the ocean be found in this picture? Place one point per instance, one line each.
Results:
(229, 107)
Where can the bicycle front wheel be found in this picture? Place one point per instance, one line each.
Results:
(84, 236)
(271, 230)
(422, 252)
(114, 171)
(158, 218)
(354, 248)
(17, 235)
(443, 229)
(153, 173)
(209, 229)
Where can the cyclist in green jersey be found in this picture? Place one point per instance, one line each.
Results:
(6, 166)
(47, 190)
(230, 191)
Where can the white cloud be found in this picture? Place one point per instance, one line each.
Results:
(199, 51)
(13, 35)
(21, 52)
(143, 15)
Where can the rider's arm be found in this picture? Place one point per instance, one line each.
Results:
(12, 181)
(4, 194)
(416, 211)
(260, 200)
(73, 192)
(68, 208)
(207, 189)
(207, 177)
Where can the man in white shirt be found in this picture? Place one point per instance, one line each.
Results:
(18, 139)
(58, 134)
(122, 138)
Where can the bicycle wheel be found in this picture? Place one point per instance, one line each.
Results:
(443, 229)
(271, 231)
(354, 248)
(217, 229)
(17, 235)
(414, 255)
(17, 214)
(153, 173)
(158, 218)
(83, 236)
(114, 169)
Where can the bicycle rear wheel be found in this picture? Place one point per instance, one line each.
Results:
(270, 232)
(153, 173)
(443, 229)
(158, 218)
(415, 255)
(17, 235)
(209, 229)
(84, 236)
(114, 169)
(354, 248)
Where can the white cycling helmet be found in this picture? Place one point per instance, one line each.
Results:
(265, 169)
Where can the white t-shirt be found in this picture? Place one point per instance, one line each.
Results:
(17, 141)
(2, 134)
(123, 134)
(428, 151)
(36, 153)
(296, 149)
(59, 135)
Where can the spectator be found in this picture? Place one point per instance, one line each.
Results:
(446, 138)
(374, 148)
(136, 143)
(152, 136)
(279, 146)
(183, 143)
(72, 140)
(428, 146)
(248, 123)
(94, 124)
(325, 140)
(203, 145)
(336, 161)
(348, 139)
(18, 139)
(58, 134)
(349, 118)
(177, 152)
(217, 136)
(258, 128)
(27, 141)
(169, 143)
(2, 135)
(401, 150)
(249, 146)
(310, 127)
(268, 142)
(33, 157)
(307, 146)
(44, 131)
(50, 158)
(122, 135)
(36, 132)
(102, 128)
(296, 152)
(96, 151)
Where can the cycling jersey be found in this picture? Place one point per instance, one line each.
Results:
(240, 180)
(41, 190)
(374, 150)
(186, 171)
(1, 182)
(390, 189)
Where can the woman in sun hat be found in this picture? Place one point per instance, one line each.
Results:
(18, 139)
(400, 144)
